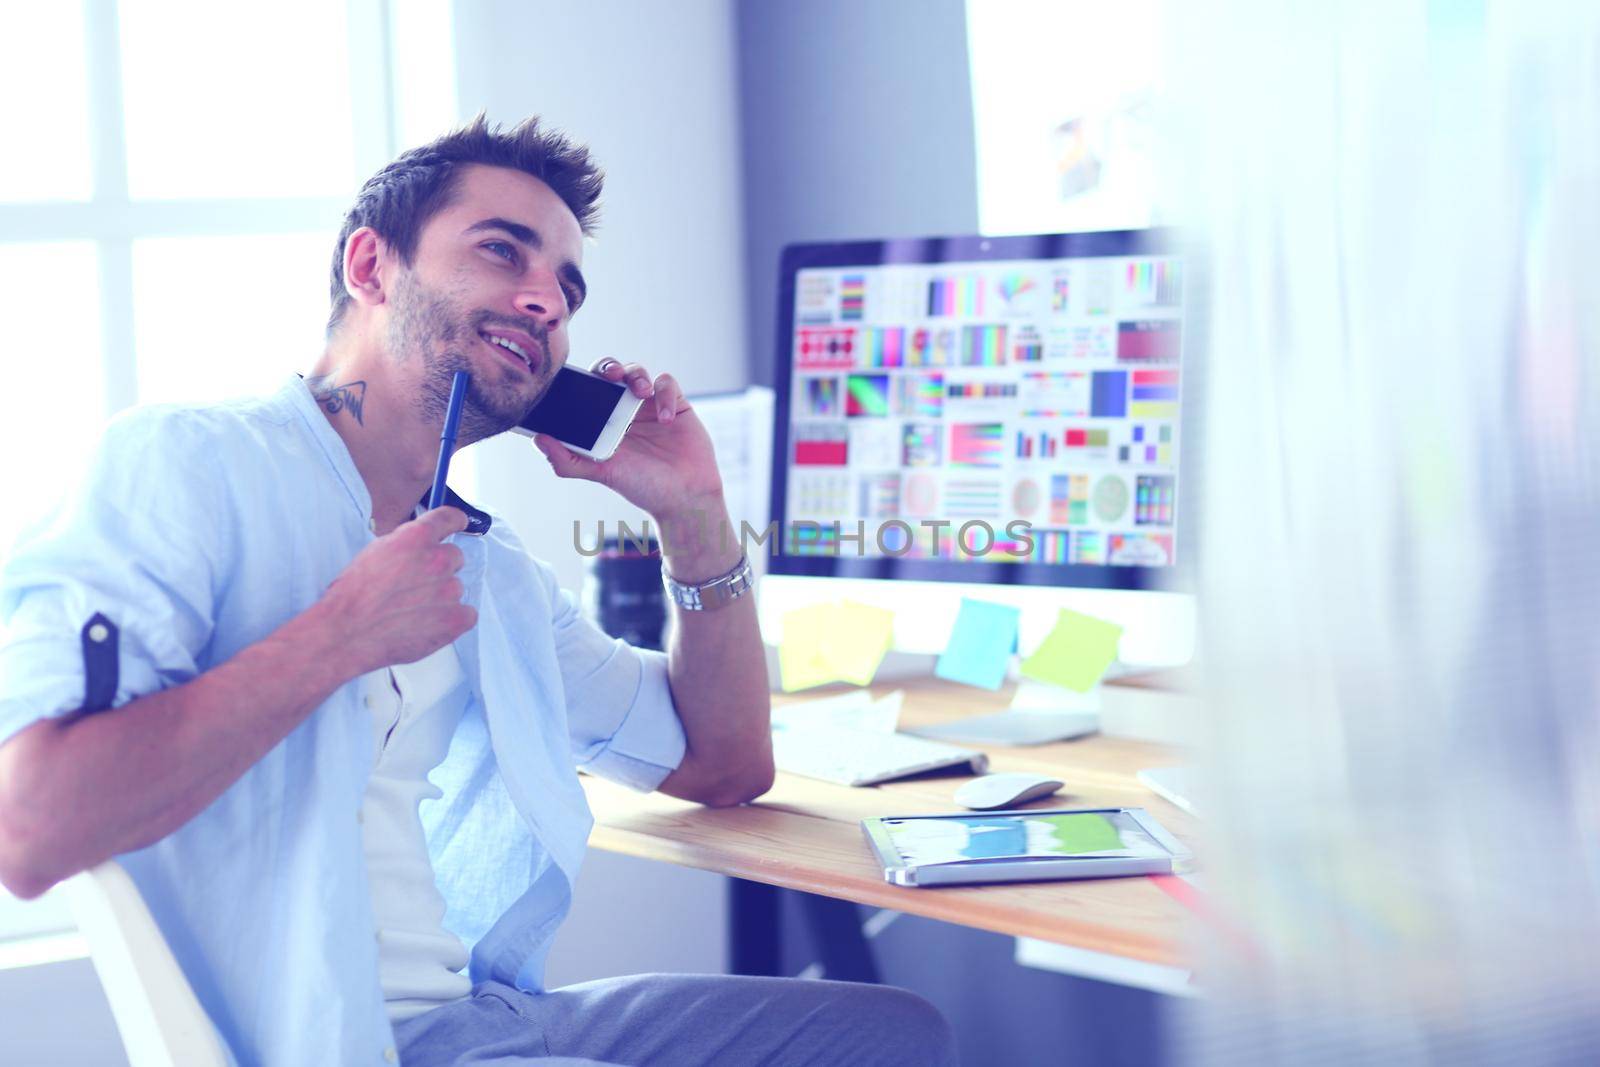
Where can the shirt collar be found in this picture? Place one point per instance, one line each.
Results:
(338, 453)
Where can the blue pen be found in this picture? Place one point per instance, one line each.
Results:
(447, 436)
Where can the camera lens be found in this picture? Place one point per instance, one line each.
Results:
(623, 594)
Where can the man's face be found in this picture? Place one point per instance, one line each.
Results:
(491, 291)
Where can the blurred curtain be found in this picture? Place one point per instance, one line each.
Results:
(1399, 413)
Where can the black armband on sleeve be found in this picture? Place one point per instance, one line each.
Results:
(100, 665)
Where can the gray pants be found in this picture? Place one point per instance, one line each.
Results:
(668, 1020)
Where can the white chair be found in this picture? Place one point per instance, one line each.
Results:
(157, 1014)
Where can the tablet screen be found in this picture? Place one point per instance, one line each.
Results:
(1055, 835)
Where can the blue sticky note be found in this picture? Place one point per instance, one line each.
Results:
(981, 644)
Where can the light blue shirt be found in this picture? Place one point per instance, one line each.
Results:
(198, 532)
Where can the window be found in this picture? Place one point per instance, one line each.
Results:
(227, 315)
(175, 174)
(54, 388)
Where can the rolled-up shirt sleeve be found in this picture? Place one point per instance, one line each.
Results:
(620, 714)
(132, 545)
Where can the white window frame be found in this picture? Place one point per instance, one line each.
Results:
(113, 221)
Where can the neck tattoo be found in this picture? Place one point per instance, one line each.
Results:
(334, 397)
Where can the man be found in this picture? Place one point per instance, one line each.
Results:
(242, 655)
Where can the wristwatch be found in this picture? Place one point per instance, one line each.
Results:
(716, 593)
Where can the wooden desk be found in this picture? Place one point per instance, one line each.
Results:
(805, 835)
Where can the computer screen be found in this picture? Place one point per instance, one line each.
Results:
(994, 410)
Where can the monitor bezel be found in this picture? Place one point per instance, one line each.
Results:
(974, 249)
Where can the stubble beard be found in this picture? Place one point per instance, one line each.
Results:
(429, 329)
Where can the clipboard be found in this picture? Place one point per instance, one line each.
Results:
(975, 848)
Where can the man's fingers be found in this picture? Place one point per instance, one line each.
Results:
(638, 380)
(669, 398)
(635, 374)
(440, 523)
(448, 559)
(567, 463)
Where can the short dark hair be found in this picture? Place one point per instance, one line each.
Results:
(400, 199)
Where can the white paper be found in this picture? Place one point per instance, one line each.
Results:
(740, 427)
(855, 710)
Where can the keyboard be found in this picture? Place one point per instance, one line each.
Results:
(863, 757)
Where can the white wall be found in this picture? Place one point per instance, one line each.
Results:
(652, 88)
(857, 122)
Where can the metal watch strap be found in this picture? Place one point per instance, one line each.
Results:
(716, 593)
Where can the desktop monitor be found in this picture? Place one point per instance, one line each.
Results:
(985, 416)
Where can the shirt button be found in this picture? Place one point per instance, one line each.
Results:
(361, 816)
(372, 524)
(366, 701)
(390, 1055)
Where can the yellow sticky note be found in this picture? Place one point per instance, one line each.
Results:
(835, 642)
(1075, 653)
(858, 640)
(803, 659)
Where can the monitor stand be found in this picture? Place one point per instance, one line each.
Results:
(1039, 713)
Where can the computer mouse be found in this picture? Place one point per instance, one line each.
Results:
(1004, 790)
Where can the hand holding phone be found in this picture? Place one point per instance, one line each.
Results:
(664, 464)
(587, 413)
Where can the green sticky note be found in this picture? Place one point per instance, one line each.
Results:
(1075, 653)
(1076, 834)
(857, 641)
(803, 659)
(980, 645)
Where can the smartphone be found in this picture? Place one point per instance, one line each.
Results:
(587, 413)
